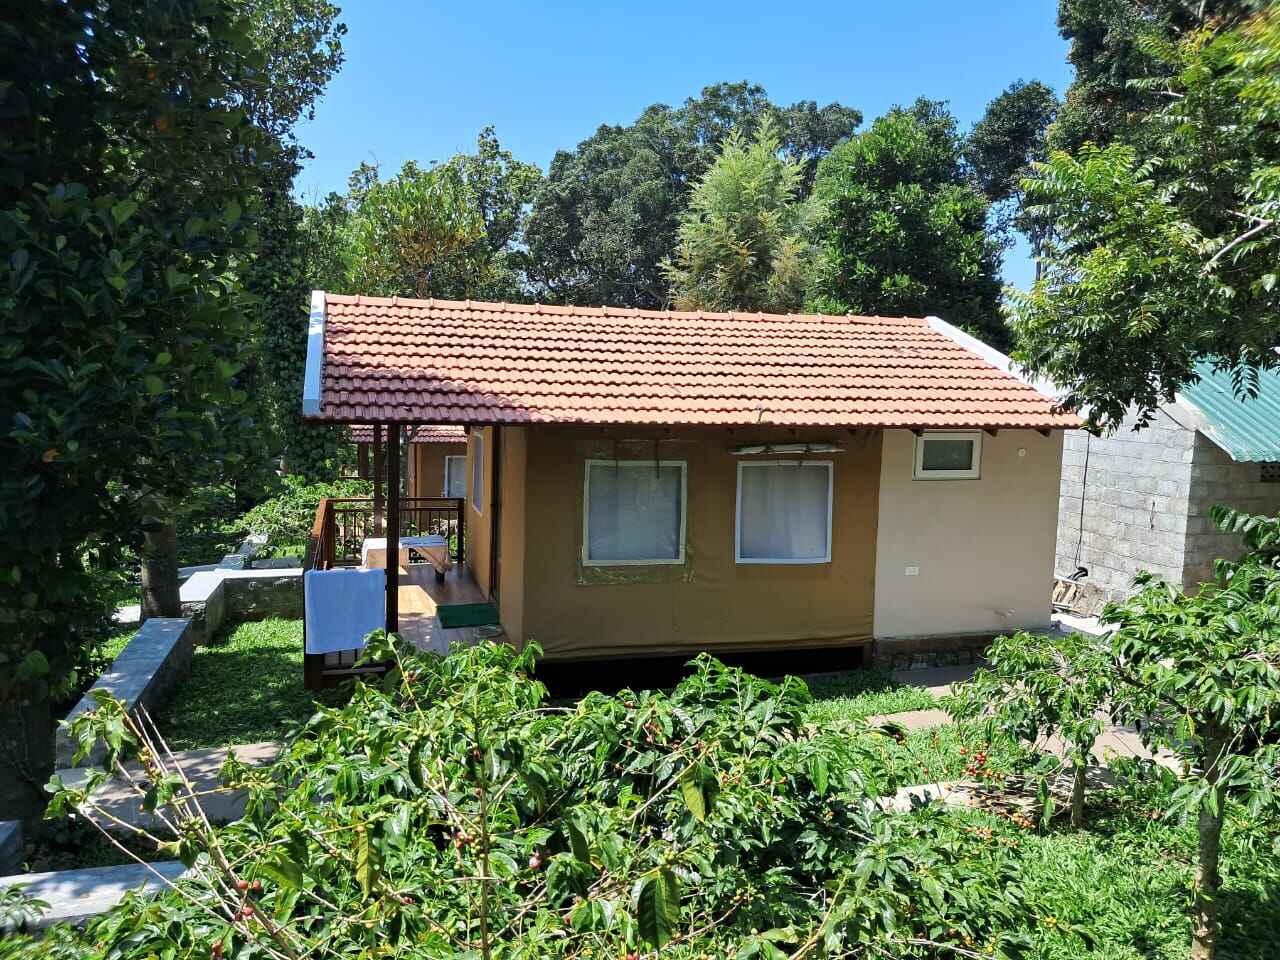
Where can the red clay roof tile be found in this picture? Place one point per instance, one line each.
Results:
(446, 362)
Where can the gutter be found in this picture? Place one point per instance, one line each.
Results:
(315, 356)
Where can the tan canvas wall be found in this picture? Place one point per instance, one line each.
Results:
(511, 541)
(983, 549)
(426, 477)
(709, 602)
(478, 532)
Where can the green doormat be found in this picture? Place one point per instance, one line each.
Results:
(467, 614)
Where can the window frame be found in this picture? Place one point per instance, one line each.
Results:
(829, 465)
(447, 458)
(973, 473)
(679, 559)
(476, 499)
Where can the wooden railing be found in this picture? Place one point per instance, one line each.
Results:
(342, 525)
(336, 539)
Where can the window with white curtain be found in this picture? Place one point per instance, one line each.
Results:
(477, 471)
(784, 512)
(455, 476)
(948, 455)
(633, 512)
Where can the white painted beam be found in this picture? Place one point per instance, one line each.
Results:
(315, 356)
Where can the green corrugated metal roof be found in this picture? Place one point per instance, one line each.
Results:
(1247, 428)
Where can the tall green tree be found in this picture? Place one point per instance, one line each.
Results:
(608, 212)
(301, 41)
(1164, 252)
(899, 229)
(1001, 148)
(129, 177)
(740, 244)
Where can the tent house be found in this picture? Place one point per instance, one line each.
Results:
(653, 484)
(436, 458)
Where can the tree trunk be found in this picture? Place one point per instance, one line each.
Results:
(160, 571)
(1077, 792)
(1204, 909)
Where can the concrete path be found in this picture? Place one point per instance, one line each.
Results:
(75, 895)
(937, 680)
(201, 767)
(913, 719)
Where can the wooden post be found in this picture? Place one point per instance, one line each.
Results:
(362, 452)
(379, 474)
(393, 528)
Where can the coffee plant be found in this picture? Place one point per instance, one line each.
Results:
(452, 810)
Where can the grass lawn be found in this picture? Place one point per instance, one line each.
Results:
(244, 688)
(855, 694)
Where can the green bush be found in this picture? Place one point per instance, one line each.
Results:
(453, 811)
(286, 518)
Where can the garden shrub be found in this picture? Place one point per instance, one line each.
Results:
(286, 518)
(452, 810)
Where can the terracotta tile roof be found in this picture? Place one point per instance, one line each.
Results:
(421, 434)
(448, 362)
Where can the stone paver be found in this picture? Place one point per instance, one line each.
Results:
(75, 895)
(937, 680)
(913, 719)
(118, 799)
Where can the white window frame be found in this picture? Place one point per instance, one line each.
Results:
(633, 465)
(448, 457)
(475, 482)
(975, 473)
(737, 525)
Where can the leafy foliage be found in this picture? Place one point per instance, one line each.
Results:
(452, 810)
(898, 229)
(286, 518)
(608, 212)
(1037, 686)
(740, 245)
(1160, 262)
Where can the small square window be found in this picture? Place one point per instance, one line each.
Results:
(948, 455)
(455, 477)
(784, 512)
(633, 512)
(477, 472)
(1271, 473)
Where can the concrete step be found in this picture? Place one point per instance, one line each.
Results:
(76, 895)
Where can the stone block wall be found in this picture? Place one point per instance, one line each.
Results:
(1217, 479)
(1124, 506)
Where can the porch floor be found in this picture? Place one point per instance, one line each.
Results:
(421, 594)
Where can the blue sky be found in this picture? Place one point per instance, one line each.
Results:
(422, 79)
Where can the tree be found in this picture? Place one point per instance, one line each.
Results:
(452, 230)
(1156, 264)
(1003, 145)
(1110, 50)
(1038, 686)
(899, 230)
(128, 174)
(301, 41)
(1202, 674)
(740, 246)
(608, 212)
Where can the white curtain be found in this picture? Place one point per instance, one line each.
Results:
(455, 476)
(783, 511)
(633, 512)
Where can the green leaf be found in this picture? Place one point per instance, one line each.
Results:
(368, 862)
(284, 870)
(656, 901)
(153, 384)
(693, 796)
(123, 210)
(164, 358)
(577, 838)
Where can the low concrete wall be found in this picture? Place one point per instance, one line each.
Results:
(213, 598)
(144, 674)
